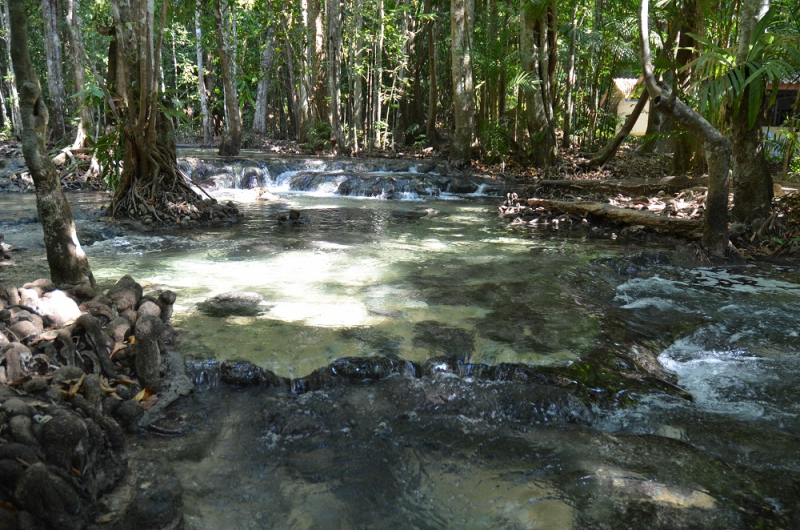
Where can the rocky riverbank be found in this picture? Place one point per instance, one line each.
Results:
(78, 370)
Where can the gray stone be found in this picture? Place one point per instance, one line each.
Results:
(165, 301)
(125, 294)
(66, 373)
(25, 330)
(18, 358)
(118, 329)
(21, 430)
(84, 291)
(233, 304)
(16, 407)
(128, 415)
(58, 307)
(148, 308)
(50, 499)
(64, 440)
(36, 384)
(148, 349)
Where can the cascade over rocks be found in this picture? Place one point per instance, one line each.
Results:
(77, 370)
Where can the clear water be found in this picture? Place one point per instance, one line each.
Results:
(362, 277)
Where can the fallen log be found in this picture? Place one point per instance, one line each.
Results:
(691, 228)
(626, 186)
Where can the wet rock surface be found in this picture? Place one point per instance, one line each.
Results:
(384, 178)
(77, 370)
(398, 450)
(233, 304)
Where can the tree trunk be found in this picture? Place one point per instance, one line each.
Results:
(55, 78)
(305, 110)
(262, 93)
(377, 81)
(605, 154)
(67, 261)
(566, 141)
(548, 30)
(291, 94)
(151, 189)
(201, 81)
(320, 92)
(717, 147)
(232, 141)
(461, 20)
(333, 8)
(76, 56)
(651, 135)
(16, 118)
(535, 119)
(752, 182)
(356, 78)
(433, 95)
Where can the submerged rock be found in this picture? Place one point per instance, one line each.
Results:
(233, 304)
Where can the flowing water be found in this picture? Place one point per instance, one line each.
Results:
(443, 280)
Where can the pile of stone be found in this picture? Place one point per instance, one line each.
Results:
(4, 248)
(77, 370)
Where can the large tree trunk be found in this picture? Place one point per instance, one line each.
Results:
(535, 119)
(201, 77)
(304, 110)
(262, 93)
(377, 81)
(16, 118)
(566, 140)
(319, 75)
(356, 78)
(752, 183)
(334, 16)
(291, 93)
(433, 89)
(151, 189)
(55, 78)
(67, 261)
(461, 21)
(717, 147)
(232, 141)
(76, 58)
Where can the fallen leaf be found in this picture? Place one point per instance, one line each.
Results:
(77, 386)
(149, 402)
(144, 394)
(117, 347)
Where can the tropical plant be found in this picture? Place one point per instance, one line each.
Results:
(772, 58)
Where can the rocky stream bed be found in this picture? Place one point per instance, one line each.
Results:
(104, 425)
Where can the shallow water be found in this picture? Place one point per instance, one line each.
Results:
(367, 277)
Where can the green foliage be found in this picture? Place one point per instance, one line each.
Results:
(109, 149)
(725, 83)
(319, 137)
(494, 139)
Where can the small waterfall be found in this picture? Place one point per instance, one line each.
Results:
(204, 374)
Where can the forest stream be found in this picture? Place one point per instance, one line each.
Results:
(422, 363)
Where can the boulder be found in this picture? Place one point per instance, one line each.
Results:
(233, 304)
(125, 294)
(147, 349)
(49, 498)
